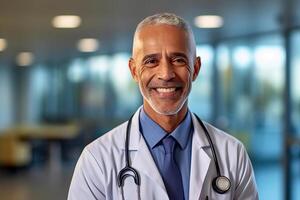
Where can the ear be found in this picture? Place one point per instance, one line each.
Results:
(197, 66)
(133, 69)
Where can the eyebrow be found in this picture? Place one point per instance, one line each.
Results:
(150, 56)
(155, 55)
(175, 54)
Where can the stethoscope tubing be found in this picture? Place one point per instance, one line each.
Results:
(123, 174)
(212, 146)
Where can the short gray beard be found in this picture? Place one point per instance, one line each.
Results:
(159, 112)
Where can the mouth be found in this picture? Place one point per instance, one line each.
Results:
(167, 92)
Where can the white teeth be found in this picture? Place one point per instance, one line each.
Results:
(162, 90)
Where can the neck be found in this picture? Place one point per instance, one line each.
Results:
(168, 122)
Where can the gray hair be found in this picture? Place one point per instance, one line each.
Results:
(165, 18)
(168, 19)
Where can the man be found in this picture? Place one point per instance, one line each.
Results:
(169, 154)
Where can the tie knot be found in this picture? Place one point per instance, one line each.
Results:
(169, 144)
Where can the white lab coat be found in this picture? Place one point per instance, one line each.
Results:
(95, 175)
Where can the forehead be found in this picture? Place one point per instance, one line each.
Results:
(155, 38)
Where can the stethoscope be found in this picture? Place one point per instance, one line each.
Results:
(221, 184)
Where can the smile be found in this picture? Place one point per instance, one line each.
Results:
(165, 90)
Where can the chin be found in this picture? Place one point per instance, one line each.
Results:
(163, 110)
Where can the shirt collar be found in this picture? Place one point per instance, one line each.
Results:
(153, 133)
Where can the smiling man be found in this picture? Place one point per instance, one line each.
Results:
(164, 64)
(164, 151)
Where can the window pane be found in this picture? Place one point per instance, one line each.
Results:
(295, 96)
(251, 75)
(199, 99)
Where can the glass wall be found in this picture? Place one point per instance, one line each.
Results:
(107, 89)
(295, 100)
(295, 82)
(7, 98)
(200, 97)
(251, 73)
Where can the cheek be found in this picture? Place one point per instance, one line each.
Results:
(185, 74)
(189, 69)
(146, 76)
(141, 75)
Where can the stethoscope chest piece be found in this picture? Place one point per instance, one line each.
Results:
(221, 184)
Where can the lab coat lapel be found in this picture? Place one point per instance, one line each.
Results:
(200, 161)
(143, 161)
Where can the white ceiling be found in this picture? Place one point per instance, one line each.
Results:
(27, 24)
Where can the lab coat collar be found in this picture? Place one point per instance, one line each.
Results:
(200, 160)
(199, 134)
(134, 136)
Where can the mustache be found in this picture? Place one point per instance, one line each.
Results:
(165, 84)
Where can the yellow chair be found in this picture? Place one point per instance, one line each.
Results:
(13, 151)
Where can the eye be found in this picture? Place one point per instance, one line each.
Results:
(179, 61)
(151, 62)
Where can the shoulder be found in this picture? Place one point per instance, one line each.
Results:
(231, 153)
(109, 142)
(230, 150)
(102, 156)
(94, 168)
(222, 138)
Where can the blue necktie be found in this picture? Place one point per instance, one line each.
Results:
(170, 172)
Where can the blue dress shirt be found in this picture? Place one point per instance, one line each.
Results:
(154, 134)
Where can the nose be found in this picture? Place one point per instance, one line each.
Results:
(166, 70)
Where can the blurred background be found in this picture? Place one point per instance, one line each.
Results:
(64, 81)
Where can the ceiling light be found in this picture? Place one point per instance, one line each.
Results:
(25, 59)
(3, 44)
(88, 45)
(66, 21)
(208, 21)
